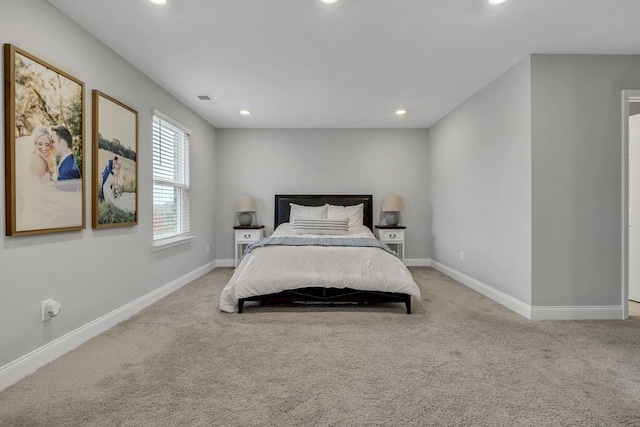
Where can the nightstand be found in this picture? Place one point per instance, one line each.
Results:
(246, 235)
(392, 235)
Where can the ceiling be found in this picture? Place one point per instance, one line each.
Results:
(303, 64)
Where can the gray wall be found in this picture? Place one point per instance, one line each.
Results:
(480, 185)
(526, 180)
(265, 162)
(94, 272)
(576, 169)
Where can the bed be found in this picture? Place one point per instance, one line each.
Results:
(304, 262)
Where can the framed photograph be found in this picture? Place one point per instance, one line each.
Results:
(44, 146)
(115, 163)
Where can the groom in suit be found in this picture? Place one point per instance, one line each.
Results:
(108, 170)
(67, 168)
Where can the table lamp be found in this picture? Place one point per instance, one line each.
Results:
(245, 205)
(391, 205)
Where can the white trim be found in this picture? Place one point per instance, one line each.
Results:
(508, 301)
(595, 312)
(624, 265)
(225, 263)
(174, 241)
(417, 262)
(604, 312)
(29, 363)
(171, 120)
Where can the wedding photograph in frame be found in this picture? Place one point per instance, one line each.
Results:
(44, 146)
(115, 163)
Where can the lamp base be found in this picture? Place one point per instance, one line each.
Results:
(245, 218)
(392, 218)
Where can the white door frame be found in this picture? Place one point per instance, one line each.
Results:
(627, 96)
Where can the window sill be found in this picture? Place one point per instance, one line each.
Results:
(167, 243)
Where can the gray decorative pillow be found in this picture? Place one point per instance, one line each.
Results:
(320, 226)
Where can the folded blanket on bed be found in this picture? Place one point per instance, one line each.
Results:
(319, 241)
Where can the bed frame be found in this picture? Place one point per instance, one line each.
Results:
(323, 295)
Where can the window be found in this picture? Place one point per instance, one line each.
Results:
(171, 205)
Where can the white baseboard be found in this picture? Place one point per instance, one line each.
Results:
(225, 263)
(417, 262)
(29, 363)
(500, 297)
(604, 312)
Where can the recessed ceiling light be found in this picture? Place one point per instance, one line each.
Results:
(160, 2)
(328, 1)
(401, 112)
(496, 2)
(245, 112)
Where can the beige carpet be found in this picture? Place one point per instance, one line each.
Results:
(459, 360)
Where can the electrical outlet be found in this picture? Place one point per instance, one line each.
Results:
(43, 310)
(49, 309)
(461, 256)
(208, 248)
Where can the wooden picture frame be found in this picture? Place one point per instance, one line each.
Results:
(115, 165)
(44, 108)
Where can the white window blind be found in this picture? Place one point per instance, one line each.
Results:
(171, 204)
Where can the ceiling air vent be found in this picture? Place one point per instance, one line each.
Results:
(207, 99)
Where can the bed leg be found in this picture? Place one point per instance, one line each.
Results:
(407, 302)
(240, 305)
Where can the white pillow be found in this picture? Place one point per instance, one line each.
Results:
(309, 212)
(355, 213)
(320, 226)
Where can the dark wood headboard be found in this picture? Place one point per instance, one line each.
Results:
(282, 207)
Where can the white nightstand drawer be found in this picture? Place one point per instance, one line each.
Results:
(391, 235)
(248, 236)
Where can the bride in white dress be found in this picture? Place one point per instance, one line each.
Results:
(40, 203)
(42, 161)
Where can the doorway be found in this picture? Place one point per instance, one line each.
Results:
(631, 202)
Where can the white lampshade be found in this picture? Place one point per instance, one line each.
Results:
(245, 204)
(392, 203)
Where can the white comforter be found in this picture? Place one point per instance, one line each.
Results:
(268, 270)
